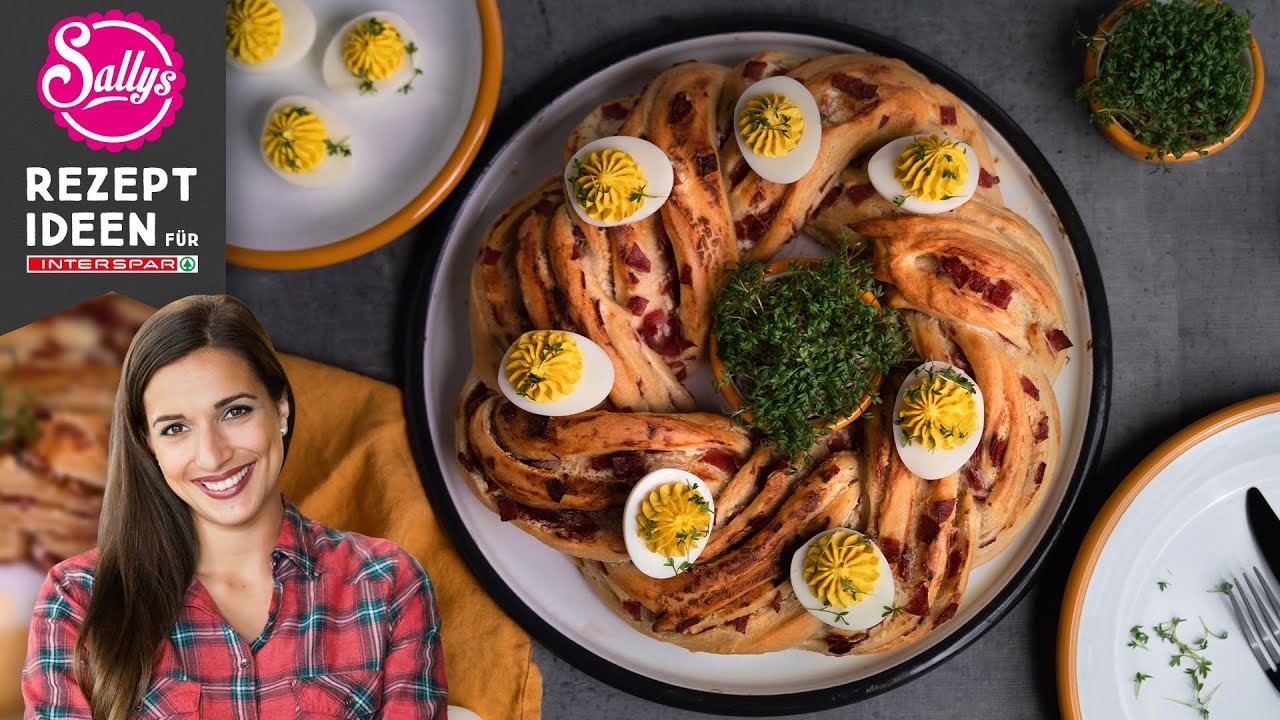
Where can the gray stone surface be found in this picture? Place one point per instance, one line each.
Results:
(1191, 263)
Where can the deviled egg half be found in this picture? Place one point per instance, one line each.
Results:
(938, 420)
(843, 579)
(779, 128)
(555, 372)
(925, 174)
(305, 142)
(618, 180)
(268, 35)
(373, 54)
(666, 522)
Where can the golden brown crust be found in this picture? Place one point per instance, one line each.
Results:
(64, 369)
(978, 287)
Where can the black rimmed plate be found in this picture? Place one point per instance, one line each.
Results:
(539, 587)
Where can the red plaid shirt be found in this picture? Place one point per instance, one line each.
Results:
(353, 631)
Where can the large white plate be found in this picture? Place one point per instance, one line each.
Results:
(545, 580)
(400, 142)
(1184, 524)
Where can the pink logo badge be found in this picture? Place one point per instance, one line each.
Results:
(113, 81)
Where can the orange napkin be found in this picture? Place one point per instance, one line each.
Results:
(350, 467)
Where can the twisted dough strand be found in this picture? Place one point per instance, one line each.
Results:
(977, 286)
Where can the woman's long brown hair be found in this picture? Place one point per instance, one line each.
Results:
(147, 546)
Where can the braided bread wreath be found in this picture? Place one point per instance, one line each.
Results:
(978, 287)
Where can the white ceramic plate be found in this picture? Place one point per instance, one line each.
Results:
(547, 582)
(1184, 525)
(400, 143)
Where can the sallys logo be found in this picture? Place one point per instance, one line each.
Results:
(113, 81)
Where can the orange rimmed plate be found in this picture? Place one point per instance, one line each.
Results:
(1124, 141)
(409, 151)
(1174, 530)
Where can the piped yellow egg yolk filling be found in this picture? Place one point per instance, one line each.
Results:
(373, 51)
(255, 29)
(841, 569)
(609, 185)
(673, 519)
(771, 125)
(933, 169)
(544, 365)
(938, 412)
(294, 140)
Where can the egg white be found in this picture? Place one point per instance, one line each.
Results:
(654, 164)
(337, 75)
(931, 464)
(332, 168)
(298, 34)
(862, 615)
(645, 560)
(882, 170)
(592, 388)
(791, 167)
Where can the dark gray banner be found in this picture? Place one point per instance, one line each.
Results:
(112, 175)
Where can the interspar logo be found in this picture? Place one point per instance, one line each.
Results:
(113, 81)
(112, 264)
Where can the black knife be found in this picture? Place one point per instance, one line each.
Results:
(1265, 526)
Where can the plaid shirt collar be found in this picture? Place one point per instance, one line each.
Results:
(294, 541)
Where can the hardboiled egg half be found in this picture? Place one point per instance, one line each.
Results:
(937, 419)
(618, 180)
(555, 372)
(925, 174)
(666, 522)
(779, 128)
(372, 55)
(843, 579)
(305, 142)
(268, 35)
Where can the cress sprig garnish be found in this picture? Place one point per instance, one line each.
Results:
(18, 427)
(802, 348)
(916, 391)
(547, 352)
(1172, 75)
(1138, 679)
(338, 147)
(411, 49)
(759, 120)
(892, 611)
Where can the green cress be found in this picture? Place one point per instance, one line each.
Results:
(1173, 75)
(803, 348)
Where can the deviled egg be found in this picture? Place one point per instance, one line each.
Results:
(843, 579)
(305, 142)
(938, 420)
(925, 174)
(372, 54)
(779, 128)
(268, 35)
(618, 180)
(666, 522)
(555, 372)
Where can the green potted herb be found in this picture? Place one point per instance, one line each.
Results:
(1172, 81)
(800, 346)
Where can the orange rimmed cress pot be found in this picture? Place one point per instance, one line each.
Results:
(1123, 140)
(730, 393)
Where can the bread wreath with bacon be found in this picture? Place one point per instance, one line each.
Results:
(977, 286)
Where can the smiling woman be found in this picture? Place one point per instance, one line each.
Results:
(209, 594)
